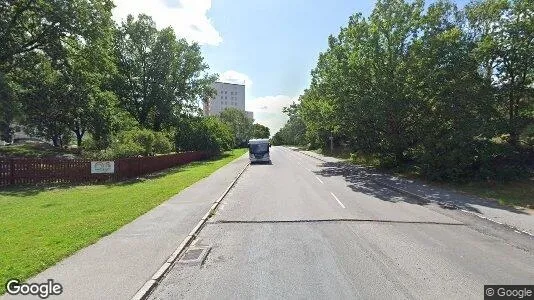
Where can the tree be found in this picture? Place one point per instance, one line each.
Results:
(86, 73)
(454, 107)
(28, 25)
(40, 93)
(68, 43)
(504, 33)
(411, 86)
(260, 132)
(160, 77)
(8, 110)
(203, 133)
(294, 131)
(239, 124)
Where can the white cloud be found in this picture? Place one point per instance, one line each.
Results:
(268, 110)
(270, 104)
(273, 121)
(232, 76)
(187, 17)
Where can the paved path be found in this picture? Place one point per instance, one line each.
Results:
(119, 264)
(299, 228)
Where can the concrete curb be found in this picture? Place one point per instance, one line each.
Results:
(149, 286)
(427, 200)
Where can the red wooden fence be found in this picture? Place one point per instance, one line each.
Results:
(14, 171)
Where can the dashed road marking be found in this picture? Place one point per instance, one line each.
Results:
(337, 200)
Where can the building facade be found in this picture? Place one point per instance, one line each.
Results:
(229, 95)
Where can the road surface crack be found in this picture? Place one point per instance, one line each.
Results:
(332, 220)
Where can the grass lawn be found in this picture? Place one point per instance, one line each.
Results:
(32, 150)
(520, 193)
(41, 226)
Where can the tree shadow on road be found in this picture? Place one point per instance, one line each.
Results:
(371, 182)
(362, 182)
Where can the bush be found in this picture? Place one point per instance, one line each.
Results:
(204, 133)
(126, 149)
(220, 137)
(137, 142)
(162, 143)
(361, 158)
(480, 159)
(500, 161)
(145, 138)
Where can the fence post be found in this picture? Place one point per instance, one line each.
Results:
(11, 171)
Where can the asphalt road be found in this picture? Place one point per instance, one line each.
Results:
(298, 229)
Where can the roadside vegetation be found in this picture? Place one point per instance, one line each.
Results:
(435, 91)
(72, 77)
(510, 192)
(42, 225)
(33, 150)
(515, 193)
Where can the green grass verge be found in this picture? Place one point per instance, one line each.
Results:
(515, 193)
(32, 150)
(41, 226)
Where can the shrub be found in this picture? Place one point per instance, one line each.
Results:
(162, 143)
(203, 133)
(500, 161)
(479, 159)
(361, 158)
(136, 142)
(145, 138)
(127, 149)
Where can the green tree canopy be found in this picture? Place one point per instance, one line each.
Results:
(239, 123)
(203, 133)
(294, 131)
(260, 132)
(58, 72)
(432, 87)
(504, 35)
(159, 77)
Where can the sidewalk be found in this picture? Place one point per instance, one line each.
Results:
(118, 265)
(521, 219)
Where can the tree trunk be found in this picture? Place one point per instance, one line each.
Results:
(56, 140)
(512, 116)
(157, 124)
(79, 137)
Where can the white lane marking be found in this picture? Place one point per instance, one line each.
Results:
(319, 180)
(308, 169)
(337, 200)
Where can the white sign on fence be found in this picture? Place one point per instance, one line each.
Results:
(102, 167)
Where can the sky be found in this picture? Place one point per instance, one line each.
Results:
(270, 46)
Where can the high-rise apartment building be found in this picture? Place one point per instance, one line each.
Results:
(229, 95)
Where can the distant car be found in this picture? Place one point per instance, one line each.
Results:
(259, 150)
